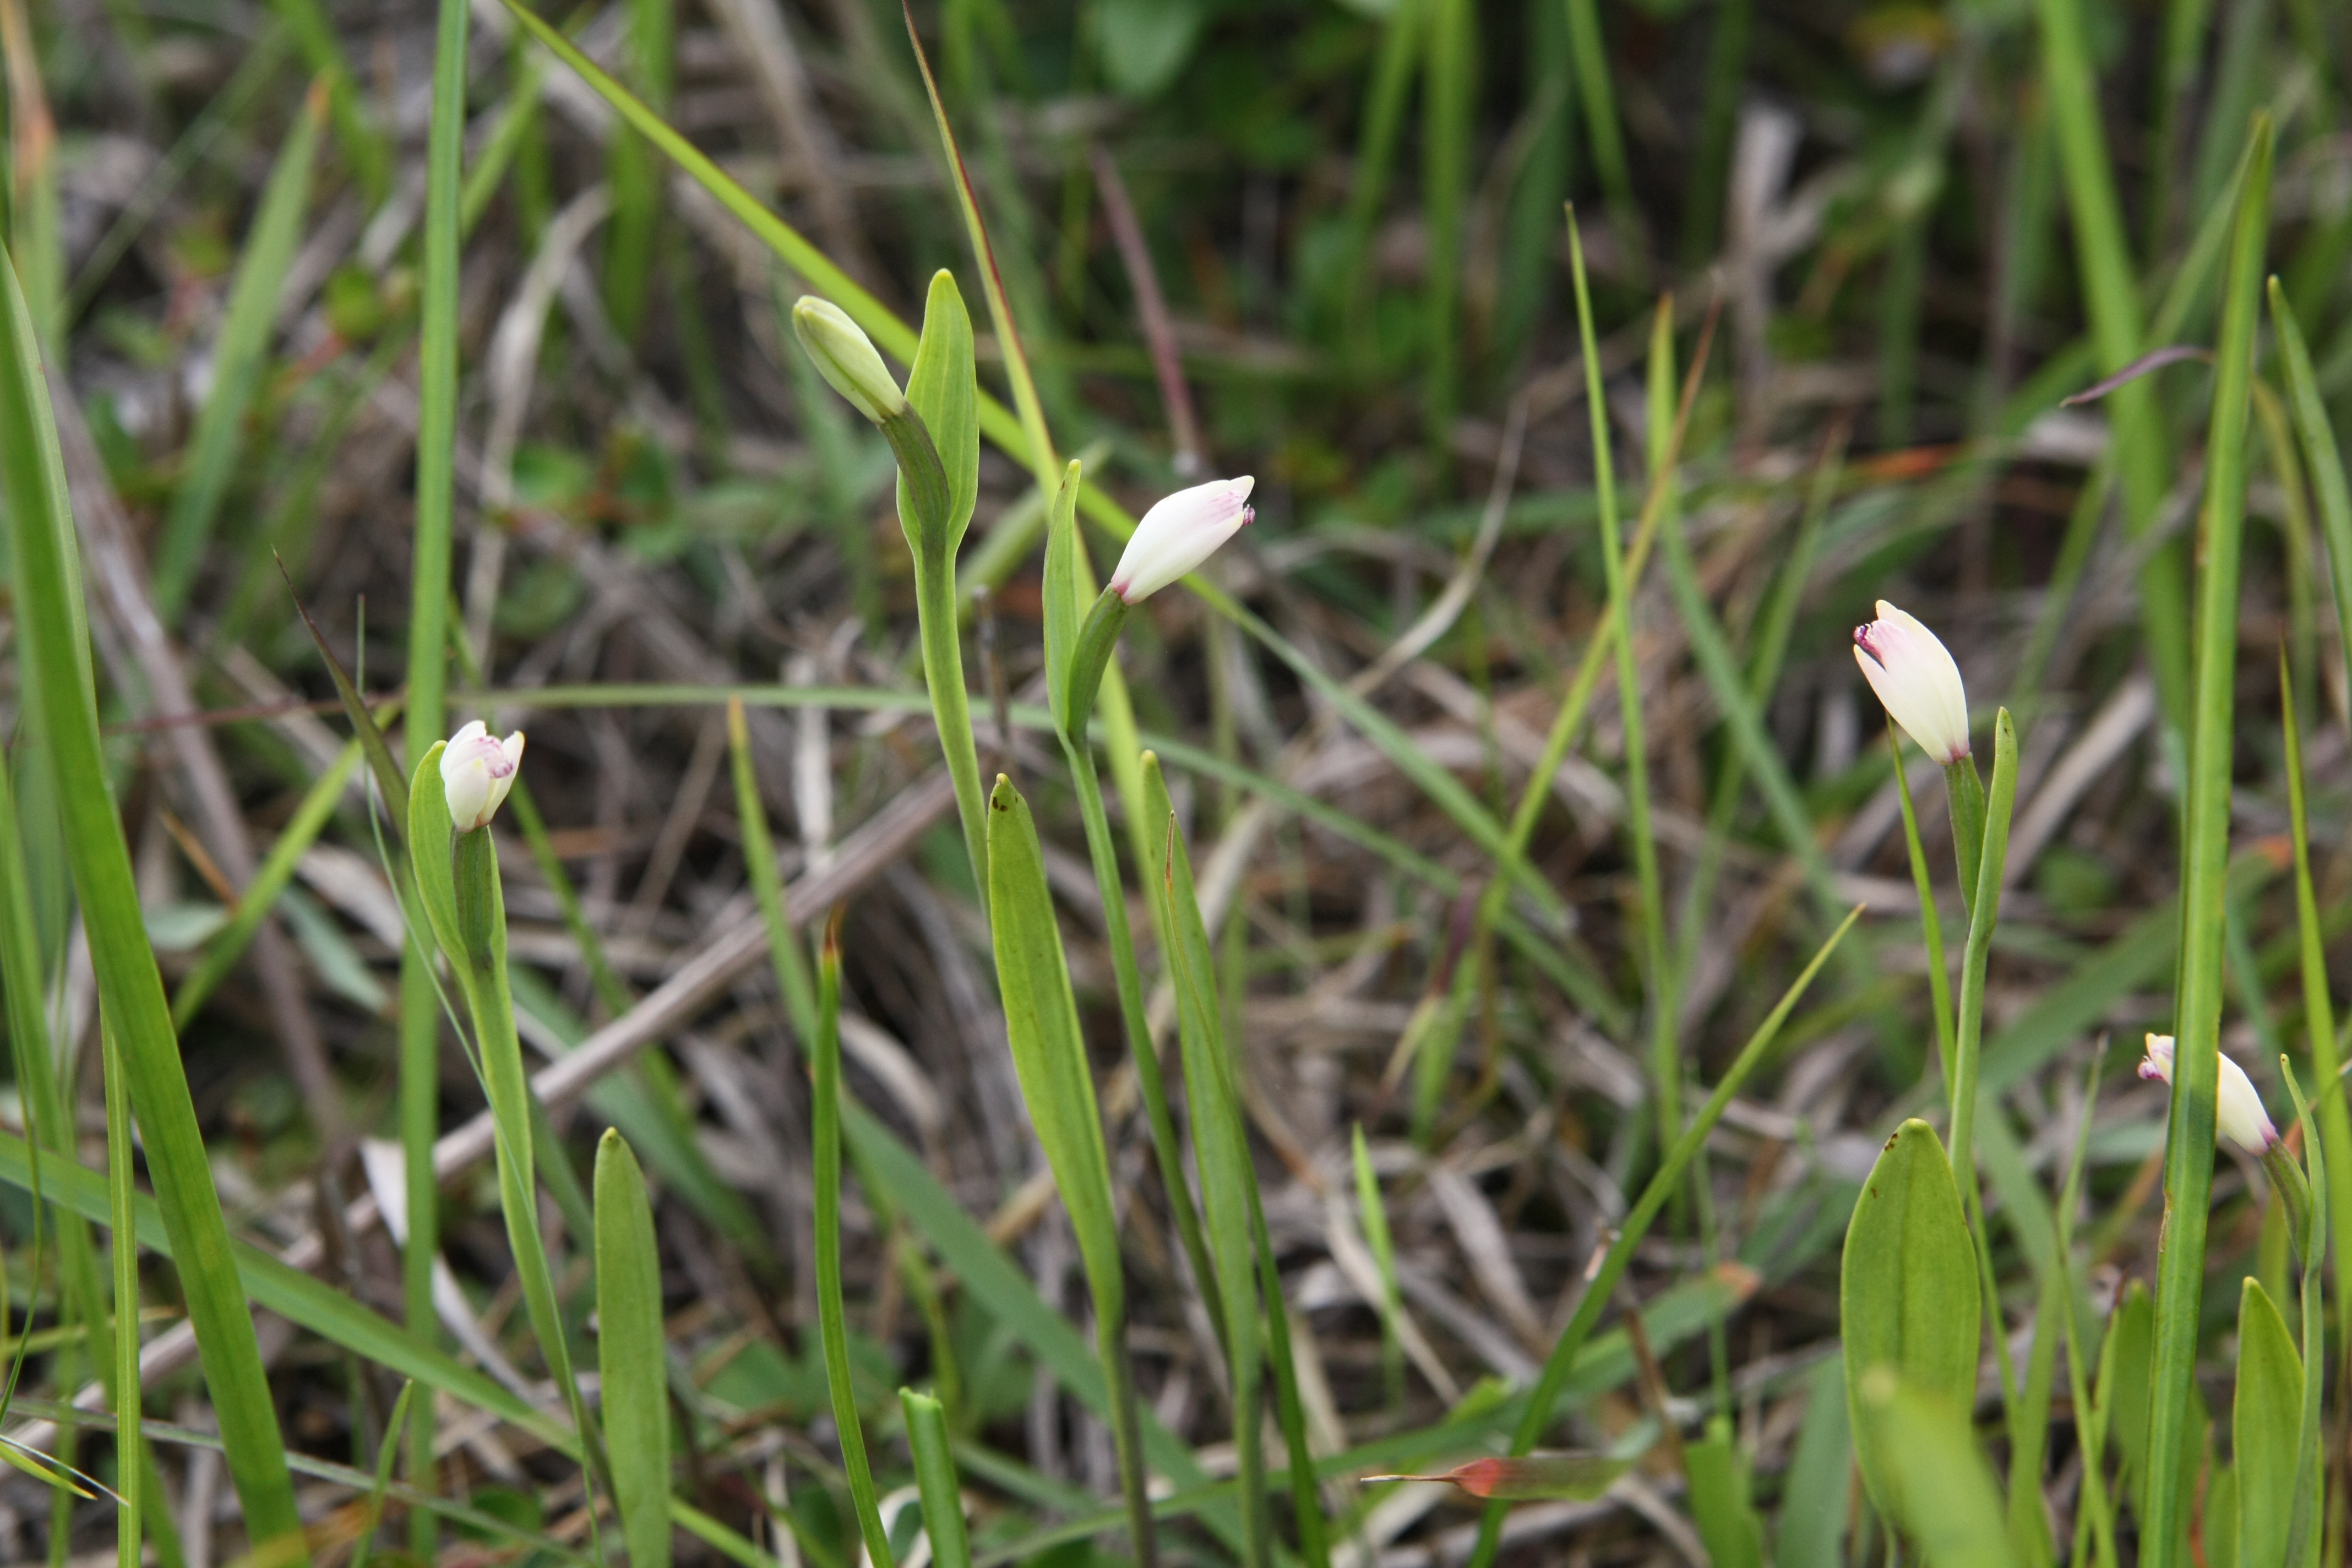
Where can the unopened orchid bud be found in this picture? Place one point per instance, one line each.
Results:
(846, 357)
(2240, 1116)
(1915, 676)
(1178, 534)
(476, 770)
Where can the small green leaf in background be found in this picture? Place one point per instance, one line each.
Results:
(239, 353)
(2266, 1424)
(629, 1351)
(1907, 1290)
(2221, 1519)
(1950, 1507)
(1814, 1492)
(1719, 1498)
(1144, 43)
(2123, 1382)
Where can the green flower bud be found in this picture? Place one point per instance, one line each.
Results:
(846, 357)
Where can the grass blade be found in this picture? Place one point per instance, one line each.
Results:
(1220, 1148)
(2189, 1142)
(630, 244)
(1602, 1282)
(631, 1354)
(2111, 297)
(387, 1454)
(1666, 1053)
(2334, 1128)
(428, 618)
(254, 904)
(130, 1479)
(55, 655)
(314, 34)
(239, 353)
(824, 1138)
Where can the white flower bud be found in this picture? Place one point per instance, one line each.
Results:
(846, 357)
(477, 771)
(2240, 1117)
(1915, 676)
(1178, 534)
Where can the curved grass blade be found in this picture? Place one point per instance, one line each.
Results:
(253, 905)
(1602, 1281)
(56, 658)
(238, 355)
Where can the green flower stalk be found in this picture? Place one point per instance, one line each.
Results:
(1174, 537)
(457, 870)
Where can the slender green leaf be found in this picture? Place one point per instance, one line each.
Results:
(1220, 1148)
(2316, 434)
(1664, 1183)
(131, 1480)
(935, 1477)
(1049, 1057)
(60, 690)
(1813, 1498)
(387, 1454)
(238, 355)
(631, 1351)
(2189, 1144)
(2266, 1424)
(833, 1323)
(254, 904)
(1728, 1521)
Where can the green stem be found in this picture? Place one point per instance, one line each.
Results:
(1985, 914)
(824, 1138)
(1126, 1427)
(1966, 794)
(1931, 924)
(2334, 1128)
(935, 611)
(2197, 1026)
(129, 1471)
(1165, 1148)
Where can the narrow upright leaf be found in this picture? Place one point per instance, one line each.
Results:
(630, 1351)
(2266, 1424)
(47, 581)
